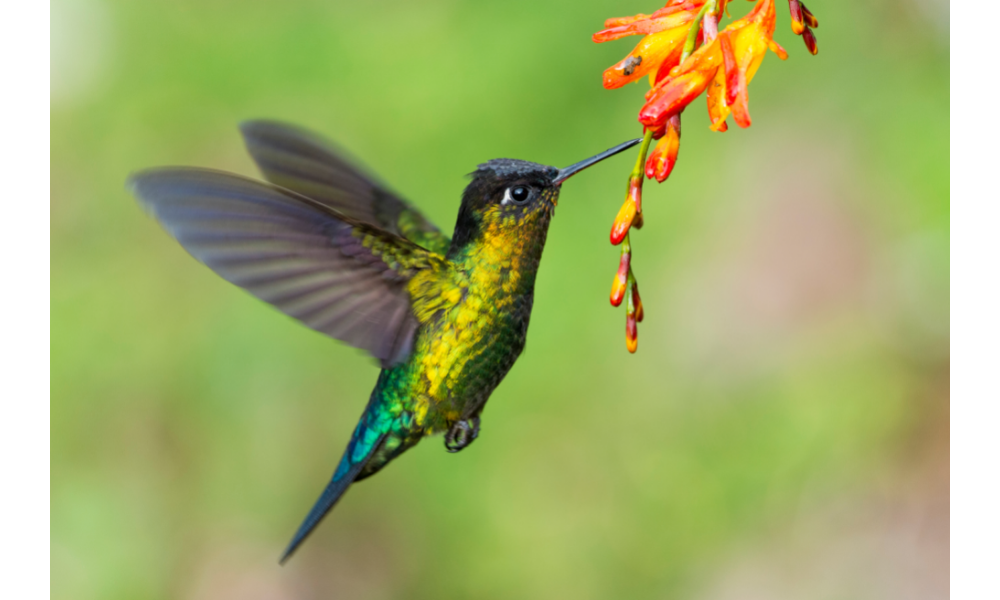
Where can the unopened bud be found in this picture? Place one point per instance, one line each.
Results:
(637, 302)
(631, 329)
(626, 214)
(631, 333)
(662, 159)
(810, 40)
(798, 20)
(620, 283)
(811, 19)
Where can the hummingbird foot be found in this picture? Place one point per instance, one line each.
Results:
(461, 434)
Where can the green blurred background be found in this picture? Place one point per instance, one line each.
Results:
(781, 433)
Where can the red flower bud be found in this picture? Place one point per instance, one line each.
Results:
(798, 21)
(810, 40)
(631, 333)
(620, 283)
(631, 329)
(638, 302)
(811, 19)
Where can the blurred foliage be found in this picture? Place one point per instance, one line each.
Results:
(795, 278)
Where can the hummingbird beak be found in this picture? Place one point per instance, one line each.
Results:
(575, 168)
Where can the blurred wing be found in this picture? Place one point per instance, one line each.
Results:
(340, 277)
(306, 163)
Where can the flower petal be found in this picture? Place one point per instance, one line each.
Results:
(645, 26)
(718, 111)
(732, 69)
(654, 50)
(684, 83)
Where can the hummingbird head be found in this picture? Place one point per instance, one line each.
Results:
(515, 198)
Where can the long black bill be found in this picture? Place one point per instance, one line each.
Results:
(573, 169)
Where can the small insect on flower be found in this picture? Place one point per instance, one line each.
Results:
(684, 54)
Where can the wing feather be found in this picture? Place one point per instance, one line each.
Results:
(339, 275)
(304, 162)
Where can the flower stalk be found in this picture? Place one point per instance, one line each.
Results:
(684, 54)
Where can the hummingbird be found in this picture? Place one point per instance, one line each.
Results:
(330, 245)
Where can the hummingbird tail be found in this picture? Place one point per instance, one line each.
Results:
(363, 444)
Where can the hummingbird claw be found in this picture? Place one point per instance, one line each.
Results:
(461, 434)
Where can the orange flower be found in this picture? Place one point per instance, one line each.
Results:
(665, 32)
(684, 83)
(684, 54)
(737, 52)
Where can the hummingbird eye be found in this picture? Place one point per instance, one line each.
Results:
(518, 194)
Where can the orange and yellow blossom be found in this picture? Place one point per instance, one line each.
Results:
(660, 50)
(728, 62)
(684, 54)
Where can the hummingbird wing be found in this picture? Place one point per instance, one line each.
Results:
(310, 165)
(339, 276)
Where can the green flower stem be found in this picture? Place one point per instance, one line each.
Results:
(695, 27)
(637, 171)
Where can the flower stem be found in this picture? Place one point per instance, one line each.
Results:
(692, 36)
(637, 171)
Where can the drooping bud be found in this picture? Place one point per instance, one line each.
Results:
(631, 329)
(631, 333)
(638, 301)
(811, 19)
(664, 156)
(620, 283)
(626, 214)
(810, 40)
(798, 19)
(623, 222)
